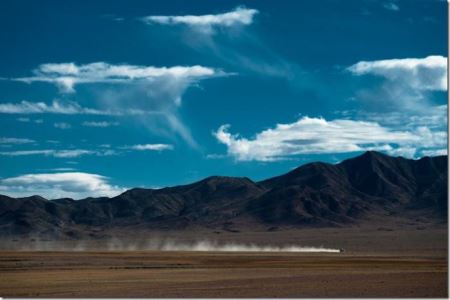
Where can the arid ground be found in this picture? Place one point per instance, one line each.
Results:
(377, 262)
(193, 274)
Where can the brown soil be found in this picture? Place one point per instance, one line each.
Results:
(376, 263)
(191, 274)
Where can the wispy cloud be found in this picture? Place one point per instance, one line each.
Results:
(15, 141)
(58, 185)
(101, 124)
(102, 151)
(215, 156)
(56, 107)
(133, 90)
(62, 169)
(150, 147)
(225, 37)
(52, 152)
(319, 136)
(436, 152)
(67, 75)
(53, 142)
(62, 125)
(140, 103)
(434, 117)
(391, 6)
(207, 23)
(25, 120)
(64, 108)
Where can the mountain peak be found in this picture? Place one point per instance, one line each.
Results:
(367, 158)
(226, 179)
(373, 154)
(34, 198)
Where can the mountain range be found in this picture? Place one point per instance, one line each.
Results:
(312, 195)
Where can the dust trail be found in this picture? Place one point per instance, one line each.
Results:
(234, 247)
(156, 244)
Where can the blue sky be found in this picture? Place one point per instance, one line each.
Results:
(100, 96)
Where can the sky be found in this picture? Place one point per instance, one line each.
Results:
(97, 97)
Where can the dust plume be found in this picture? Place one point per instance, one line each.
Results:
(157, 244)
(237, 247)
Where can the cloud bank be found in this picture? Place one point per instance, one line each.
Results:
(58, 185)
(319, 136)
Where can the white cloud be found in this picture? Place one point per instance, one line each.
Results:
(391, 6)
(200, 36)
(57, 153)
(434, 117)
(70, 153)
(434, 152)
(139, 91)
(408, 83)
(206, 23)
(27, 120)
(319, 136)
(67, 75)
(58, 185)
(62, 169)
(8, 140)
(150, 147)
(62, 125)
(53, 142)
(429, 73)
(73, 153)
(143, 106)
(101, 124)
(60, 107)
(409, 152)
(56, 107)
(26, 107)
(215, 156)
(28, 152)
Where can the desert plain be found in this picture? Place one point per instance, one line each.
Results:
(408, 261)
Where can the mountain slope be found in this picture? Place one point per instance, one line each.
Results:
(316, 194)
(342, 193)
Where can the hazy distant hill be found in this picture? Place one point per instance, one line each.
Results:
(316, 194)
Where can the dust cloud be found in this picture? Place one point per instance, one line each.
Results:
(156, 244)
